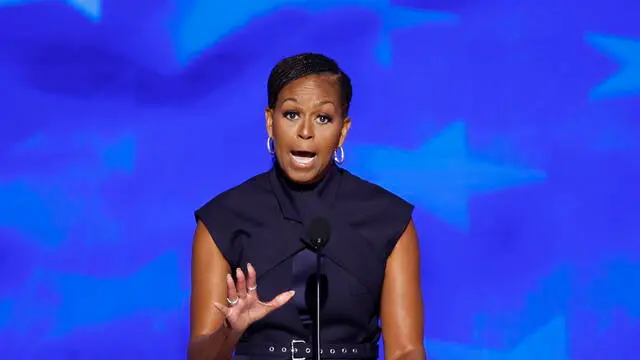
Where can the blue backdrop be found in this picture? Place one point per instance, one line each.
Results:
(512, 125)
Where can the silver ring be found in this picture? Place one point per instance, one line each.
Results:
(252, 288)
(233, 302)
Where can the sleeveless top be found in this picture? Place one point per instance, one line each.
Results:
(263, 222)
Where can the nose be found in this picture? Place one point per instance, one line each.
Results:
(305, 130)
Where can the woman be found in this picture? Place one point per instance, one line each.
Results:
(248, 241)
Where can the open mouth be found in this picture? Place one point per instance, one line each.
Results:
(303, 158)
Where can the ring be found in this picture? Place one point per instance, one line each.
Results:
(232, 302)
(252, 288)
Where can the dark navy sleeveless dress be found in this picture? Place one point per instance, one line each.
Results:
(263, 222)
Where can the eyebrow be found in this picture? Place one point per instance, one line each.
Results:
(319, 103)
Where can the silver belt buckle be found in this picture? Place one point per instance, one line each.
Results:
(293, 350)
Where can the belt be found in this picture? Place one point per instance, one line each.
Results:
(301, 350)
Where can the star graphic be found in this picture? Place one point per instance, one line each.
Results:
(627, 52)
(440, 175)
(609, 291)
(205, 22)
(97, 305)
(393, 18)
(549, 343)
(90, 8)
(117, 154)
(78, 313)
(80, 166)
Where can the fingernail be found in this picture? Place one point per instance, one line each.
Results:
(249, 265)
(229, 276)
(292, 292)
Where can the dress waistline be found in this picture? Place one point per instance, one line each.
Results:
(301, 350)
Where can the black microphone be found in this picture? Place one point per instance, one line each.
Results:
(318, 235)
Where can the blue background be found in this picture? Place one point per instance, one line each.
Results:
(514, 126)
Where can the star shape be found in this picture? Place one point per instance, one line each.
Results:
(393, 18)
(205, 22)
(77, 312)
(68, 188)
(609, 290)
(440, 175)
(626, 52)
(97, 305)
(116, 153)
(90, 8)
(549, 343)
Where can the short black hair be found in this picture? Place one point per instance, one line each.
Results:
(298, 66)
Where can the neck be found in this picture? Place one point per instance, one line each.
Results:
(302, 186)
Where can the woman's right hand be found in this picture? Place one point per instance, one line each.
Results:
(243, 306)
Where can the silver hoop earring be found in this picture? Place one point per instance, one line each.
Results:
(336, 158)
(270, 144)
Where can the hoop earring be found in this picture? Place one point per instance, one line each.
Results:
(270, 148)
(336, 158)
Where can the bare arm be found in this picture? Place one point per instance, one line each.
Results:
(401, 305)
(209, 338)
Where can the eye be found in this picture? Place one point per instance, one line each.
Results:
(324, 119)
(290, 115)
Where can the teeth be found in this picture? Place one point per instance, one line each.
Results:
(302, 159)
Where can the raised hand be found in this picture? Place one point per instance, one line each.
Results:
(243, 306)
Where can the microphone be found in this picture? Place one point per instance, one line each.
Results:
(318, 235)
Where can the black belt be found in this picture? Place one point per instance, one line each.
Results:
(301, 350)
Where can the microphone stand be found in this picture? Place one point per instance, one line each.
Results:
(316, 320)
(319, 233)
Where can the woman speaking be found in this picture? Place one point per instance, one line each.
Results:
(253, 274)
